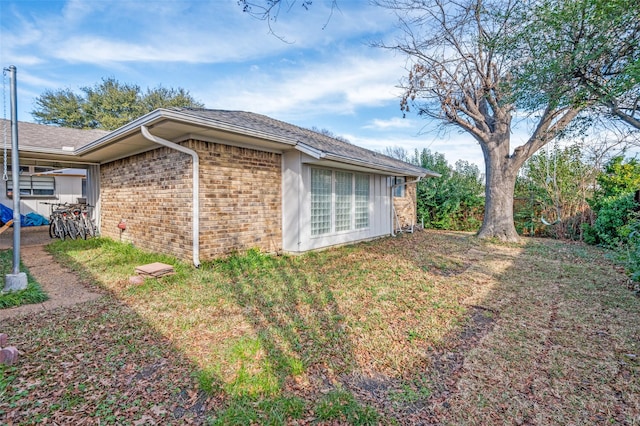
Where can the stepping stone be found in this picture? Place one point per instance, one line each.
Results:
(8, 355)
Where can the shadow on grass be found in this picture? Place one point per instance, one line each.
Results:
(432, 327)
(324, 336)
(96, 362)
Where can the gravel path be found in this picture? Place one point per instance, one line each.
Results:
(62, 285)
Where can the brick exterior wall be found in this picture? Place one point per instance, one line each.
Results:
(406, 207)
(240, 200)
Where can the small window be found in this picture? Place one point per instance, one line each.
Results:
(398, 191)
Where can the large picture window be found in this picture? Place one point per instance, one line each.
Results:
(339, 201)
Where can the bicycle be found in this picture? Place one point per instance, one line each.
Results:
(56, 223)
(72, 220)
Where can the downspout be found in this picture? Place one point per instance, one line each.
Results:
(393, 234)
(196, 187)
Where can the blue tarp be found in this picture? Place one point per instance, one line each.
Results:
(30, 219)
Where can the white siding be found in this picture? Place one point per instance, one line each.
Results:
(68, 190)
(296, 200)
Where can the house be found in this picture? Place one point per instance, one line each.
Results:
(199, 183)
(45, 179)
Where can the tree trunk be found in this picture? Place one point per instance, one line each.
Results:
(501, 173)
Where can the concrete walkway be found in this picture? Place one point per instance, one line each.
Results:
(62, 285)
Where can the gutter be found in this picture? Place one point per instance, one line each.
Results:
(162, 114)
(196, 187)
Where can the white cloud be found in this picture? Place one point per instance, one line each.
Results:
(336, 84)
(392, 123)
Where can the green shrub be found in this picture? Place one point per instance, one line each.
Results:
(632, 260)
(609, 229)
(454, 201)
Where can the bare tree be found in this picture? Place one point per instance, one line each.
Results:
(461, 65)
(397, 152)
(269, 10)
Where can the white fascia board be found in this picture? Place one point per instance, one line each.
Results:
(131, 127)
(161, 114)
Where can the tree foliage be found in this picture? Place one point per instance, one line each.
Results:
(461, 73)
(107, 105)
(620, 176)
(453, 201)
(581, 52)
(553, 187)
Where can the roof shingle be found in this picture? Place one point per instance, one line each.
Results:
(315, 140)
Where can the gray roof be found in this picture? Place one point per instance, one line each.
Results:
(50, 137)
(99, 145)
(317, 141)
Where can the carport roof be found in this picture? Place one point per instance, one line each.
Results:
(49, 143)
(40, 136)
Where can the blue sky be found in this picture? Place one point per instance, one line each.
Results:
(326, 75)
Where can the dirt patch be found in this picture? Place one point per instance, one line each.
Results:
(63, 287)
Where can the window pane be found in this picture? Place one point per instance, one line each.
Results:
(320, 201)
(344, 190)
(362, 201)
(43, 185)
(34, 185)
(25, 184)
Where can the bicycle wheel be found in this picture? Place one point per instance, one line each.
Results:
(82, 232)
(59, 228)
(52, 228)
(72, 232)
(91, 227)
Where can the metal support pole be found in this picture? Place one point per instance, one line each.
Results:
(15, 175)
(17, 280)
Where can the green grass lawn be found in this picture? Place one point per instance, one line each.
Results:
(32, 294)
(430, 327)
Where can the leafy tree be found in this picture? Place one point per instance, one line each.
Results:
(460, 75)
(62, 108)
(620, 176)
(454, 201)
(475, 62)
(591, 46)
(107, 105)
